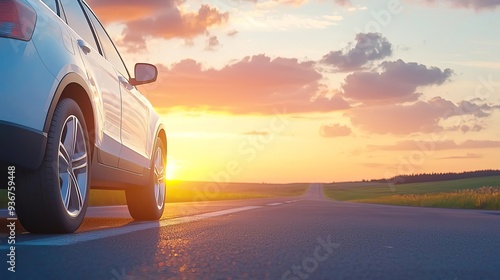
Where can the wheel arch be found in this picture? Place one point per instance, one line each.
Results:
(73, 86)
(160, 133)
(163, 136)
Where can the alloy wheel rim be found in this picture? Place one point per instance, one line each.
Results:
(159, 178)
(73, 166)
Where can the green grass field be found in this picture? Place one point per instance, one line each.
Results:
(472, 193)
(180, 191)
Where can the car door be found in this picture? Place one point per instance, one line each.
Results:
(103, 80)
(135, 110)
(135, 128)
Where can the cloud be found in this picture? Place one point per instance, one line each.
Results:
(157, 19)
(475, 128)
(356, 8)
(408, 145)
(418, 117)
(472, 126)
(343, 2)
(397, 119)
(369, 47)
(256, 84)
(334, 130)
(127, 10)
(273, 20)
(477, 5)
(295, 3)
(467, 156)
(232, 33)
(270, 4)
(212, 43)
(386, 99)
(397, 82)
(173, 24)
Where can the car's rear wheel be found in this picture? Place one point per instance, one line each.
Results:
(53, 199)
(148, 202)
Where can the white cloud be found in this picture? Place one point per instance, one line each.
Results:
(270, 21)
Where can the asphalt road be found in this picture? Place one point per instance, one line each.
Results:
(305, 237)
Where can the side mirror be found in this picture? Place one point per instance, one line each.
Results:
(144, 73)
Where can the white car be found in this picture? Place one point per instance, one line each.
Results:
(71, 117)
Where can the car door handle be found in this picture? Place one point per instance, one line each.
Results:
(84, 46)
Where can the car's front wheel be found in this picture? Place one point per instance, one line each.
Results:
(53, 199)
(148, 202)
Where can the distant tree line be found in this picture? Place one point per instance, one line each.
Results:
(435, 176)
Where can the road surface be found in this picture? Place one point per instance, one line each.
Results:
(305, 237)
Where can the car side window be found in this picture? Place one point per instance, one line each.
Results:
(51, 4)
(109, 48)
(78, 21)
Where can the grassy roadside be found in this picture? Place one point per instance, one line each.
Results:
(180, 191)
(475, 193)
(487, 198)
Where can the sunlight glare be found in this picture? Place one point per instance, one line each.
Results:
(170, 168)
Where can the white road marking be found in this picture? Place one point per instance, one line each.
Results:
(71, 239)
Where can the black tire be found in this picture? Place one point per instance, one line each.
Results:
(148, 202)
(54, 198)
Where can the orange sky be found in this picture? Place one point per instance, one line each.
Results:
(288, 91)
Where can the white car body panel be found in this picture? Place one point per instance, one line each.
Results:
(104, 83)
